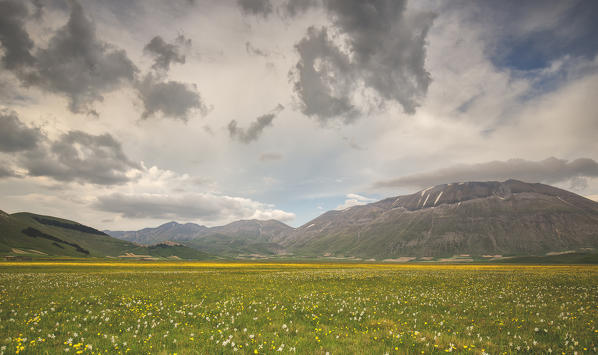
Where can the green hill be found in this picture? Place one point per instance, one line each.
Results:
(32, 235)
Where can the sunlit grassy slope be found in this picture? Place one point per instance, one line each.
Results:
(249, 308)
(32, 235)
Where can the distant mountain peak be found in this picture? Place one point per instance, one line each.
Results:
(488, 217)
(238, 237)
(169, 224)
(453, 193)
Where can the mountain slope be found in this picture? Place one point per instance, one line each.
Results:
(34, 235)
(237, 238)
(476, 218)
(171, 231)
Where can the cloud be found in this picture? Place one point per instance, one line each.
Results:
(5, 171)
(13, 36)
(255, 129)
(385, 52)
(39, 8)
(290, 8)
(255, 7)
(353, 144)
(75, 156)
(387, 45)
(354, 200)
(166, 53)
(530, 35)
(81, 157)
(79, 65)
(551, 170)
(170, 98)
(205, 207)
(296, 7)
(15, 136)
(270, 156)
(323, 78)
(251, 50)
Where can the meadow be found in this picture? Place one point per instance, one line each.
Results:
(255, 308)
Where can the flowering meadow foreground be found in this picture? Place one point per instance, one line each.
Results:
(214, 308)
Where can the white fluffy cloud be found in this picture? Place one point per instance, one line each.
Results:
(354, 200)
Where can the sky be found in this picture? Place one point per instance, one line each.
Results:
(128, 114)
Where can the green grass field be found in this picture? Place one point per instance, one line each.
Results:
(213, 308)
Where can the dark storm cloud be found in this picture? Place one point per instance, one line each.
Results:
(324, 78)
(15, 40)
(550, 170)
(386, 53)
(75, 64)
(79, 65)
(255, 129)
(290, 8)
(39, 8)
(15, 136)
(81, 157)
(170, 98)
(206, 207)
(151, 206)
(75, 156)
(388, 47)
(255, 7)
(166, 53)
(296, 7)
(5, 171)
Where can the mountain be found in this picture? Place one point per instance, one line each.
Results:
(29, 235)
(472, 218)
(246, 237)
(243, 237)
(171, 231)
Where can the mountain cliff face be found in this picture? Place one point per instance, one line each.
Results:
(475, 218)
